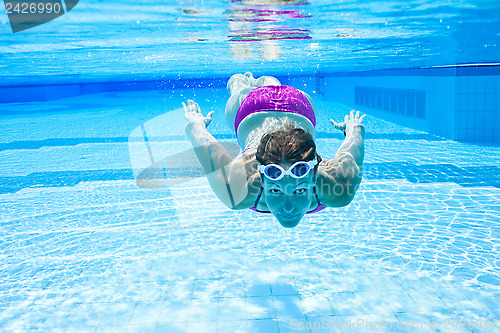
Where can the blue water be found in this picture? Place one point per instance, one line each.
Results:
(83, 248)
(116, 39)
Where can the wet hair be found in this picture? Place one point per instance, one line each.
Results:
(289, 144)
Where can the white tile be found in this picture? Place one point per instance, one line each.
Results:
(117, 314)
(236, 326)
(174, 327)
(316, 305)
(260, 307)
(346, 304)
(231, 309)
(263, 325)
(146, 313)
(288, 307)
(201, 327)
(201, 310)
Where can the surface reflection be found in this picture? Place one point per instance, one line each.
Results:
(264, 22)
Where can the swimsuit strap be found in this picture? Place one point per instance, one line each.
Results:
(258, 197)
(315, 193)
(320, 206)
(257, 201)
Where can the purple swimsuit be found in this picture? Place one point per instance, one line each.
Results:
(276, 98)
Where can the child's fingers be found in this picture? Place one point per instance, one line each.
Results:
(339, 126)
(334, 123)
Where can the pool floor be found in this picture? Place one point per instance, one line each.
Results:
(83, 248)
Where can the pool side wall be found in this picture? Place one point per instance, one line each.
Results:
(460, 103)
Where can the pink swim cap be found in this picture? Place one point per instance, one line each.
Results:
(275, 98)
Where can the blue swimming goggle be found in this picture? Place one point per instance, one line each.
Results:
(298, 170)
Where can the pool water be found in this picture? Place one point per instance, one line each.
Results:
(120, 40)
(83, 248)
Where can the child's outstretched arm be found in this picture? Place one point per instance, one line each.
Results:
(354, 137)
(228, 177)
(339, 178)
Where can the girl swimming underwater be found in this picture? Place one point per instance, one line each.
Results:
(279, 170)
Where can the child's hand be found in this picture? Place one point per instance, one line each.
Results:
(193, 114)
(350, 122)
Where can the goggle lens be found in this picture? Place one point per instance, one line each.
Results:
(297, 170)
(300, 170)
(273, 172)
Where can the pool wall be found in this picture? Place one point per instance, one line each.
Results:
(37, 89)
(458, 102)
